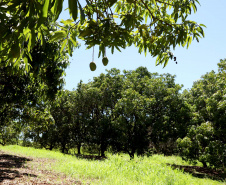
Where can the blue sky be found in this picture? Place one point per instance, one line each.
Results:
(193, 62)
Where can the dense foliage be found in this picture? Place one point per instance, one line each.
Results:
(21, 90)
(205, 140)
(154, 26)
(131, 112)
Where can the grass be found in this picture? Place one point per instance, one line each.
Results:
(116, 169)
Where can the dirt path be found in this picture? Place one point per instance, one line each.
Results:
(30, 171)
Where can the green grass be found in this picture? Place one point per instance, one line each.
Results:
(117, 169)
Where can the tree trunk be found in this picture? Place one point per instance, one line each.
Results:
(51, 147)
(102, 150)
(204, 164)
(79, 148)
(131, 154)
(63, 148)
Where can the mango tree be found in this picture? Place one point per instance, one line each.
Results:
(205, 140)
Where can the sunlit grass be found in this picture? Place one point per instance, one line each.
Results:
(116, 169)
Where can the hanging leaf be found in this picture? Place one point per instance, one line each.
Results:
(73, 8)
(57, 8)
(45, 9)
(63, 45)
(82, 14)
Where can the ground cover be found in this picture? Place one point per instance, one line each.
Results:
(24, 165)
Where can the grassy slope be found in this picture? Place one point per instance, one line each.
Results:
(117, 169)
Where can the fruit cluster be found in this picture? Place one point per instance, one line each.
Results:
(93, 66)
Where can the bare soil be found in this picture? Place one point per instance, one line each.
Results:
(20, 170)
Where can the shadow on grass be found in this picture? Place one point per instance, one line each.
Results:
(201, 172)
(90, 157)
(8, 165)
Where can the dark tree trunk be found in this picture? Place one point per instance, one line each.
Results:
(103, 148)
(51, 146)
(131, 154)
(204, 164)
(63, 147)
(79, 148)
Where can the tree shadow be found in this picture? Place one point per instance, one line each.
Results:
(201, 172)
(90, 157)
(8, 165)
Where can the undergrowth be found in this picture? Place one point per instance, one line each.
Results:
(117, 169)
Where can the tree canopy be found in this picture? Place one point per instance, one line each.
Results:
(154, 26)
(205, 140)
(22, 87)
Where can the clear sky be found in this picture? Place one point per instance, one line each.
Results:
(193, 62)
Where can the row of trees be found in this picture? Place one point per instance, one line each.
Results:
(128, 112)
(137, 112)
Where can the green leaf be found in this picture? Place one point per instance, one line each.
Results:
(112, 49)
(73, 8)
(44, 28)
(32, 39)
(45, 9)
(17, 62)
(63, 45)
(85, 33)
(68, 21)
(74, 42)
(58, 5)
(42, 39)
(59, 35)
(82, 14)
(203, 25)
(165, 63)
(70, 47)
(201, 31)
(118, 48)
